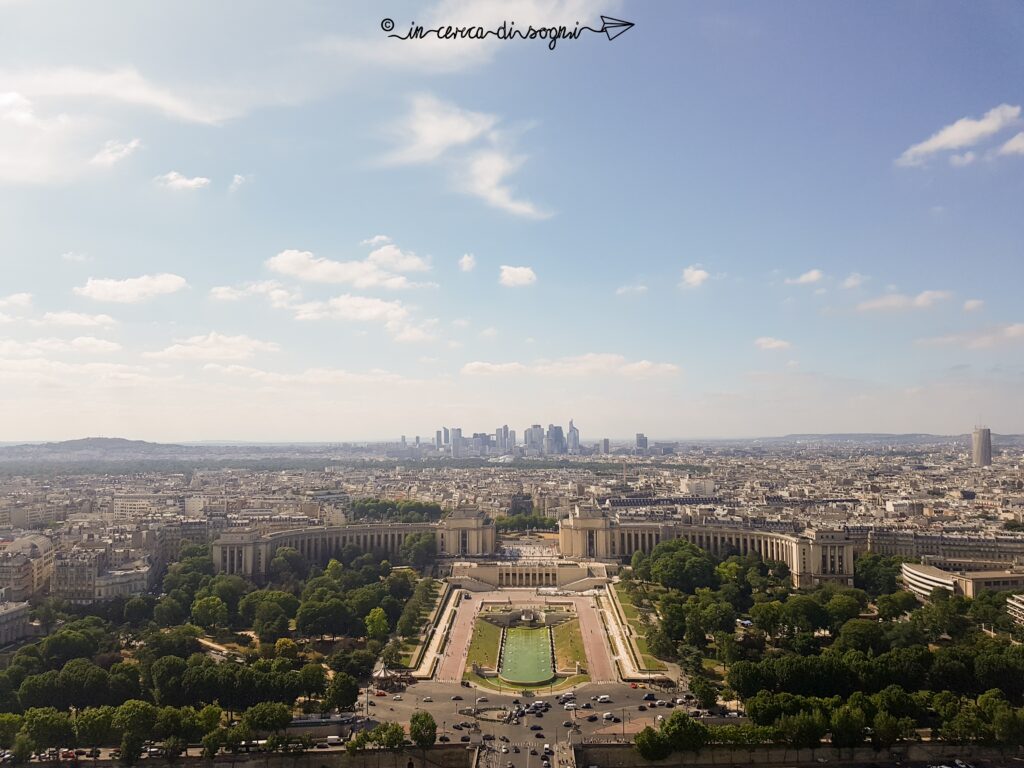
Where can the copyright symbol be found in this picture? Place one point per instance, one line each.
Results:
(387, 25)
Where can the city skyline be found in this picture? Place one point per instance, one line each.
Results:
(305, 231)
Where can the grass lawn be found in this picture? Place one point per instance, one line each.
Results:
(569, 645)
(628, 609)
(492, 684)
(483, 648)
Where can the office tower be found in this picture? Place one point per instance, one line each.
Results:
(504, 438)
(534, 438)
(447, 436)
(437, 440)
(555, 440)
(573, 438)
(641, 441)
(510, 444)
(417, 441)
(403, 441)
(456, 439)
(606, 446)
(981, 446)
(499, 439)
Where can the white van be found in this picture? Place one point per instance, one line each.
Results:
(604, 698)
(607, 715)
(334, 740)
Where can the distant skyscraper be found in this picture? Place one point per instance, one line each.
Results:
(504, 439)
(437, 440)
(981, 446)
(456, 439)
(510, 444)
(641, 441)
(447, 436)
(555, 440)
(573, 438)
(534, 438)
(606, 445)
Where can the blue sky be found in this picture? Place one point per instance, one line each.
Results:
(735, 219)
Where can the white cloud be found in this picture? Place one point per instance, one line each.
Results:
(35, 149)
(177, 181)
(973, 305)
(277, 295)
(115, 151)
(854, 280)
(76, 319)
(694, 276)
(489, 333)
(214, 346)
(133, 289)
(516, 277)
(984, 339)
(432, 127)
(16, 301)
(770, 343)
(394, 316)
(965, 132)
(959, 161)
(376, 240)
(630, 290)
(379, 270)
(310, 376)
(237, 182)
(479, 368)
(807, 278)
(468, 262)
(896, 301)
(74, 257)
(485, 177)
(41, 347)
(435, 131)
(591, 364)
(1014, 146)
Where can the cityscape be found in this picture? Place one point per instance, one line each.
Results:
(519, 384)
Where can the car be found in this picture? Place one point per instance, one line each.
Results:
(464, 738)
(607, 715)
(536, 727)
(397, 697)
(322, 745)
(509, 764)
(381, 693)
(456, 697)
(569, 707)
(464, 724)
(94, 752)
(642, 708)
(427, 700)
(456, 726)
(443, 738)
(670, 705)
(545, 763)
(632, 685)
(504, 749)
(649, 696)
(616, 719)
(539, 735)
(538, 714)
(481, 699)
(586, 705)
(503, 737)
(533, 751)
(567, 723)
(488, 737)
(515, 749)
(591, 718)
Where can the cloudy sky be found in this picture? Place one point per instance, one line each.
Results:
(269, 221)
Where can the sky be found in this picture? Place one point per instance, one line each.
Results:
(271, 221)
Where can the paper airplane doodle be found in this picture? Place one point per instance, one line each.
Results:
(614, 27)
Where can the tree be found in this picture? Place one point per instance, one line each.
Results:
(377, 626)
(342, 693)
(167, 674)
(23, 748)
(422, 729)
(136, 611)
(10, 724)
(388, 736)
(705, 691)
(94, 726)
(847, 727)
(47, 727)
(268, 716)
(135, 720)
(168, 612)
(209, 612)
(841, 608)
(313, 678)
(683, 733)
(803, 730)
(209, 718)
(286, 648)
(651, 745)
(271, 622)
